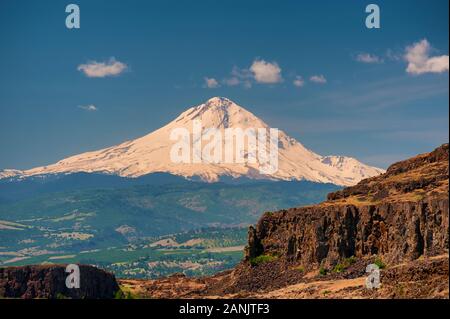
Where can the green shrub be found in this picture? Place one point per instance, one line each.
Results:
(347, 262)
(128, 295)
(123, 295)
(300, 268)
(323, 271)
(119, 294)
(379, 263)
(339, 268)
(350, 261)
(262, 259)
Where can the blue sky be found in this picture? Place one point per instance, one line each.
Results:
(377, 112)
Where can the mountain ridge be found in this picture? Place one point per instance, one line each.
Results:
(151, 154)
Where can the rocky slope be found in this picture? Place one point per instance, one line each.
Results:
(399, 220)
(49, 281)
(422, 278)
(398, 216)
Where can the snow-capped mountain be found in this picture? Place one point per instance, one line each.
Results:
(151, 153)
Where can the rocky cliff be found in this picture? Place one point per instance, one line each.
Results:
(49, 281)
(396, 217)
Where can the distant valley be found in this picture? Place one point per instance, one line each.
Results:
(114, 222)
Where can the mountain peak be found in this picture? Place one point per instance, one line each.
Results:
(218, 104)
(220, 112)
(151, 153)
(219, 100)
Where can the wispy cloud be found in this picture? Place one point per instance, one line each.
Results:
(424, 135)
(89, 108)
(394, 55)
(368, 58)
(233, 81)
(266, 72)
(94, 69)
(385, 160)
(319, 79)
(211, 83)
(427, 127)
(419, 61)
(298, 81)
(239, 76)
(377, 95)
(381, 96)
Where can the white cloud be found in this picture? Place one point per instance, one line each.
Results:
(260, 71)
(94, 69)
(90, 107)
(266, 72)
(211, 83)
(239, 77)
(233, 81)
(320, 79)
(420, 62)
(298, 81)
(368, 58)
(241, 73)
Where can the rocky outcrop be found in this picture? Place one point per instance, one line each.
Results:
(49, 281)
(322, 236)
(398, 216)
(426, 173)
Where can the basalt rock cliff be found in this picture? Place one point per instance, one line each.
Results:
(398, 216)
(49, 282)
